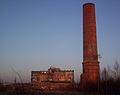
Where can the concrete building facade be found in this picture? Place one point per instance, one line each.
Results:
(53, 79)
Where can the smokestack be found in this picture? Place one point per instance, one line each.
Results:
(90, 55)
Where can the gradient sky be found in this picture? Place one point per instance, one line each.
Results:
(37, 34)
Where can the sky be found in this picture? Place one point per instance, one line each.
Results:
(37, 34)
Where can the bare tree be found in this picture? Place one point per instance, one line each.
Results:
(17, 74)
(105, 74)
(117, 70)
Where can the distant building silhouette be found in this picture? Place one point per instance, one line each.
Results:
(54, 78)
(90, 55)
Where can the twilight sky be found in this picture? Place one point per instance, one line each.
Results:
(37, 34)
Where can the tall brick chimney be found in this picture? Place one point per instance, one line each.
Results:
(90, 55)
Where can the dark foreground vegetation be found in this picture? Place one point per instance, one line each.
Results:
(109, 84)
(109, 87)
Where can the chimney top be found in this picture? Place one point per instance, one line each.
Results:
(88, 4)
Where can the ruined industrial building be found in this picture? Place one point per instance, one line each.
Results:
(52, 79)
(55, 78)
